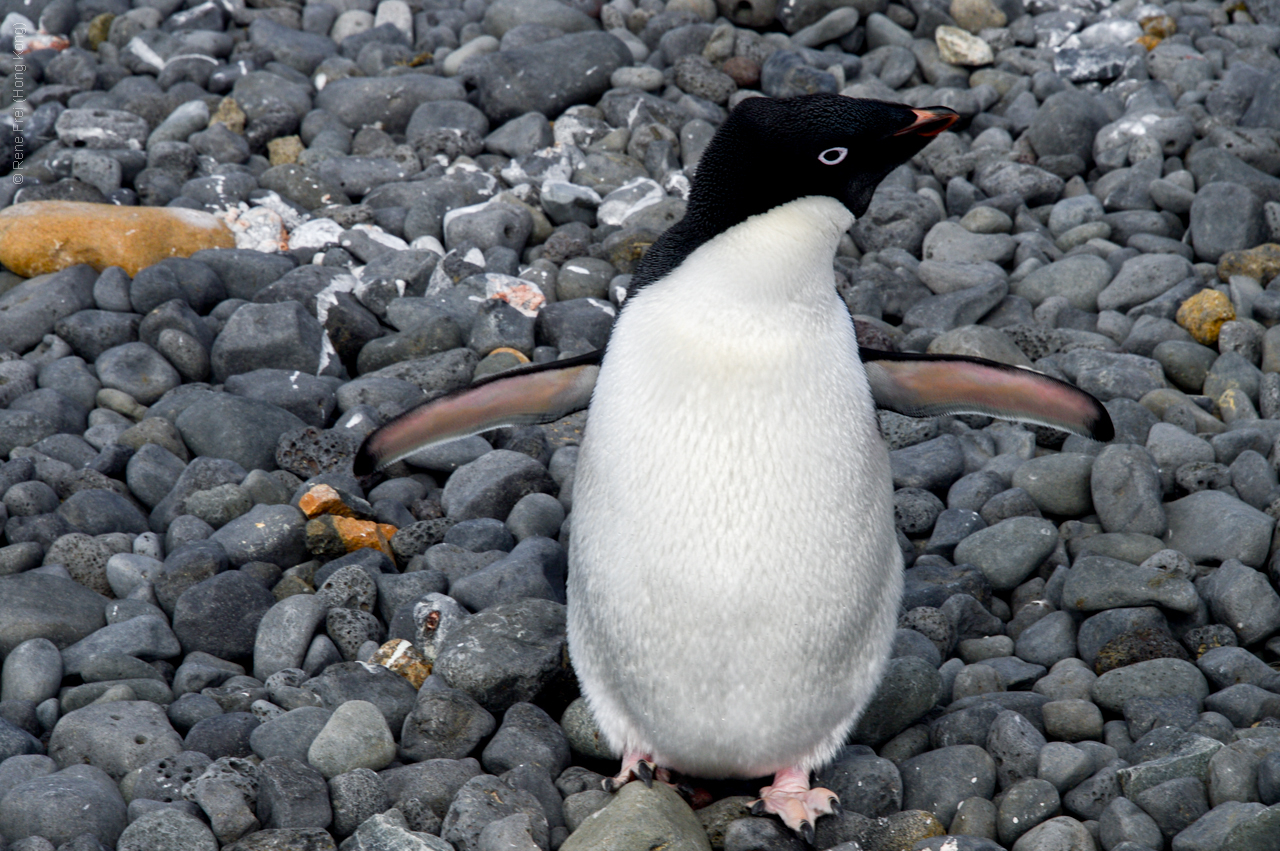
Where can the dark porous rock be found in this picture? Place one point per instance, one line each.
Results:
(548, 77)
(445, 724)
(310, 451)
(506, 654)
(220, 615)
(163, 779)
(1137, 645)
(389, 692)
(61, 806)
(355, 796)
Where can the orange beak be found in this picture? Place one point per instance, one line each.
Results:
(930, 121)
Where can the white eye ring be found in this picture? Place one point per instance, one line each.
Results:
(833, 156)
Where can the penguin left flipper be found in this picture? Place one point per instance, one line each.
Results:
(539, 393)
(933, 385)
(792, 800)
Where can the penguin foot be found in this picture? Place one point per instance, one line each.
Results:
(637, 766)
(792, 800)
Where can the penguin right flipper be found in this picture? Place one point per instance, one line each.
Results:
(538, 393)
(933, 385)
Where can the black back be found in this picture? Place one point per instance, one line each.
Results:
(767, 154)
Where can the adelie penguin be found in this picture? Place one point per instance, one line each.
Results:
(734, 571)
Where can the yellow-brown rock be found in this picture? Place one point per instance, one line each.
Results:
(1204, 314)
(402, 657)
(284, 150)
(40, 237)
(1149, 41)
(230, 114)
(1160, 26)
(1262, 263)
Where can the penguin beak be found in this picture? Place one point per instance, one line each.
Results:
(930, 121)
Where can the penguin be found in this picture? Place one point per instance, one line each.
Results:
(734, 571)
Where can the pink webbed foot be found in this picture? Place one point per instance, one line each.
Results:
(792, 800)
(637, 766)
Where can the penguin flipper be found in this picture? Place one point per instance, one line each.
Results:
(933, 385)
(539, 393)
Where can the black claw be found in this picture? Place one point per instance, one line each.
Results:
(806, 832)
(644, 771)
(757, 808)
(609, 785)
(684, 790)
(836, 809)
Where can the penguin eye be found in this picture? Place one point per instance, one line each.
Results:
(833, 156)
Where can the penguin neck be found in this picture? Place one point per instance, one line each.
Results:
(781, 256)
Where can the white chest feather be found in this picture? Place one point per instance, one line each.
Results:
(734, 573)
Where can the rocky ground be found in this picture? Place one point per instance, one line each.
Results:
(193, 660)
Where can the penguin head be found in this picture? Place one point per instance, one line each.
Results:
(770, 151)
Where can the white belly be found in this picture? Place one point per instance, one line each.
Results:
(734, 574)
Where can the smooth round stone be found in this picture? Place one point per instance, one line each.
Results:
(1062, 764)
(1154, 678)
(32, 671)
(1059, 484)
(356, 736)
(137, 369)
(1072, 720)
(536, 515)
(62, 806)
(641, 77)
(1079, 279)
(1007, 552)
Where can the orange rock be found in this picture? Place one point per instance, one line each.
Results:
(323, 499)
(40, 237)
(507, 350)
(402, 657)
(365, 534)
(1204, 315)
(1149, 41)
